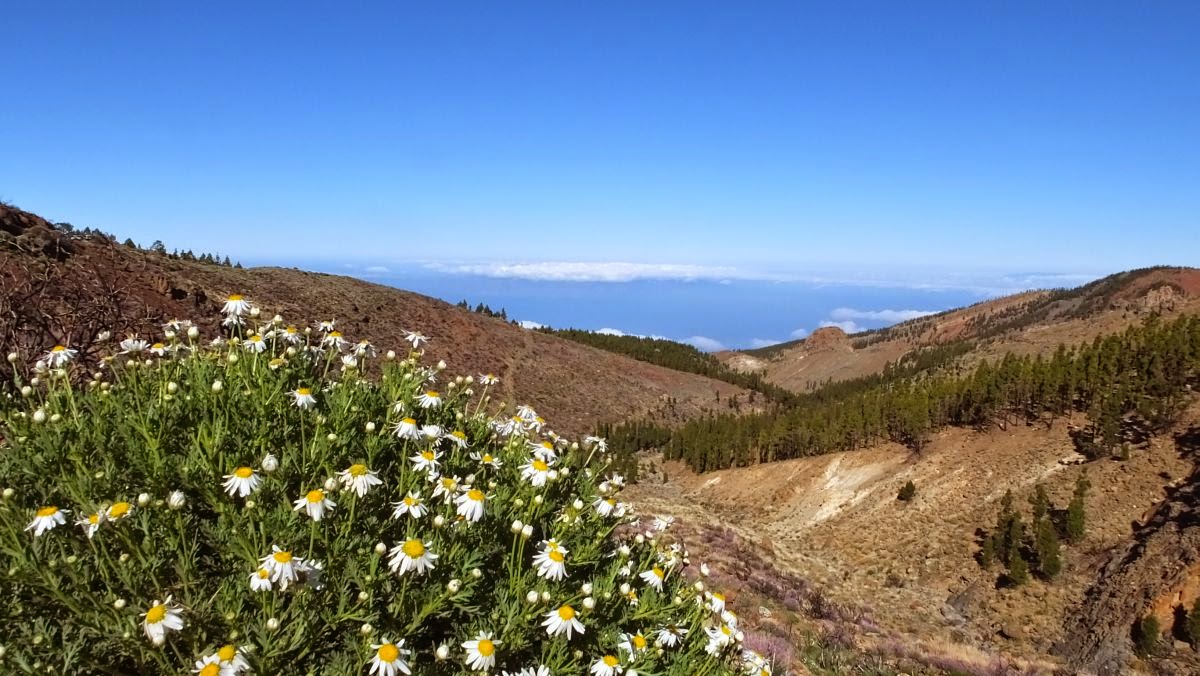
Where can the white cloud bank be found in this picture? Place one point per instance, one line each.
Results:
(704, 343)
(890, 316)
(848, 325)
(799, 333)
(526, 324)
(566, 271)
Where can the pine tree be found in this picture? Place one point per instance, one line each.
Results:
(987, 553)
(1076, 518)
(1049, 551)
(1145, 634)
(1018, 569)
(1193, 624)
(1040, 502)
(907, 491)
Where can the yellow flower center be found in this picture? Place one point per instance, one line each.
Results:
(235, 297)
(428, 455)
(414, 549)
(547, 445)
(94, 519)
(243, 472)
(410, 421)
(566, 613)
(432, 395)
(358, 470)
(388, 653)
(47, 511)
(459, 434)
(58, 348)
(475, 494)
(118, 510)
(315, 496)
(210, 669)
(263, 574)
(156, 614)
(304, 391)
(227, 653)
(256, 338)
(540, 466)
(282, 557)
(638, 642)
(410, 500)
(335, 334)
(725, 629)
(718, 596)
(486, 647)
(487, 457)
(449, 484)
(658, 572)
(157, 346)
(291, 330)
(518, 420)
(556, 556)
(611, 661)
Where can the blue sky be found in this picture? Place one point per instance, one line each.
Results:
(848, 138)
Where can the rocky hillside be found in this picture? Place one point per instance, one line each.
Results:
(913, 567)
(1034, 322)
(60, 287)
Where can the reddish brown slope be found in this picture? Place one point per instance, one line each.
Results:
(59, 288)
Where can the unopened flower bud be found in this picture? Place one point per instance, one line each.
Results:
(254, 312)
(443, 652)
(532, 597)
(439, 521)
(119, 604)
(366, 629)
(363, 596)
(527, 531)
(441, 365)
(172, 387)
(624, 588)
(143, 499)
(380, 548)
(232, 358)
(370, 427)
(538, 499)
(193, 332)
(586, 588)
(272, 624)
(103, 336)
(453, 586)
(39, 416)
(331, 485)
(8, 493)
(26, 390)
(250, 504)
(391, 354)
(331, 437)
(476, 573)
(176, 500)
(217, 386)
(13, 357)
(589, 603)
(517, 526)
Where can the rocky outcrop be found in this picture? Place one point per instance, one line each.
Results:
(1157, 573)
(828, 338)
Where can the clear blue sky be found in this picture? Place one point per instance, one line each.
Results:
(1026, 136)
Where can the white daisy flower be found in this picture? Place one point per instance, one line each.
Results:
(654, 577)
(716, 602)
(661, 523)
(58, 356)
(429, 399)
(605, 506)
(415, 339)
(513, 427)
(134, 345)
(562, 621)
(755, 664)
(670, 635)
(718, 639)
(526, 413)
(282, 566)
(209, 665)
(260, 580)
(242, 482)
(327, 325)
(458, 438)
(407, 429)
(159, 350)
(390, 658)
(359, 479)
(551, 561)
(426, 461)
(606, 666)
(334, 339)
(412, 555)
(163, 616)
(411, 505)
(487, 459)
(291, 335)
(633, 644)
(46, 519)
(233, 660)
(543, 450)
(445, 487)
(535, 472)
(303, 397)
(91, 523)
(255, 343)
(470, 504)
(236, 305)
(118, 510)
(597, 443)
(487, 379)
(432, 433)
(315, 504)
(349, 361)
(481, 652)
(364, 349)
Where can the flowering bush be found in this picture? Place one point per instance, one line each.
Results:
(279, 500)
